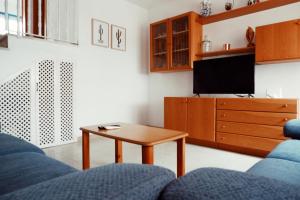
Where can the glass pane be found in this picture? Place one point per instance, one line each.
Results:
(160, 45)
(2, 17)
(180, 39)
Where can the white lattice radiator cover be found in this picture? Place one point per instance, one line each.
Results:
(40, 113)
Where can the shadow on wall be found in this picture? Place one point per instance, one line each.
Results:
(144, 58)
(141, 114)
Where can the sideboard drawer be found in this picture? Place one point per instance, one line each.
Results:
(264, 144)
(265, 118)
(266, 131)
(261, 105)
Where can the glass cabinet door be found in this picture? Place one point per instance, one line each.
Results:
(159, 46)
(180, 43)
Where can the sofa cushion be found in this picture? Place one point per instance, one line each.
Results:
(10, 144)
(284, 170)
(115, 182)
(292, 129)
(21, 170)
(288, 150)
(222, 184)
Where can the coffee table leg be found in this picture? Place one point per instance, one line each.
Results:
(180, 157)
(85, 150)
(118, 151)
(147, 155)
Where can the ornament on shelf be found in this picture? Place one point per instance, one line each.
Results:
(229, 4)
(250, 34)
(205, 8)
(206, 45)
(252, 2)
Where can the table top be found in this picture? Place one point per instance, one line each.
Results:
(138, 134)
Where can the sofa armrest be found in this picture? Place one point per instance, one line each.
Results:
(292, 129)
(222, 184)
(116, 182)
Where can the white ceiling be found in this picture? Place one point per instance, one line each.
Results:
(146, 3)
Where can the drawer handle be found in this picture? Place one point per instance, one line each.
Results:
(286, 119)
(223, 103)
(285, 105)
(298, 22)
(223, 115)
(223, 126)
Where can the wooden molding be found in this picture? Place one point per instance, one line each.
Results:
(266, 5)
(227, 52)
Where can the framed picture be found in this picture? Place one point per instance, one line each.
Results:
(4, 41)
(118, 38)
(100, 33)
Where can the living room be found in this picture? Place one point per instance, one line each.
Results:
(67, 65)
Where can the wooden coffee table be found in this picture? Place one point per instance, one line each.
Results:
(145, 136)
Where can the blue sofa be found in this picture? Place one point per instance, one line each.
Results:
(26, 173)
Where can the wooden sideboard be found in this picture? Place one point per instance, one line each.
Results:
(251, 126)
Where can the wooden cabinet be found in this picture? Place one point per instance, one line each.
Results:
(251, 126)
(278, 42)
(201, 118)
(175, 110)
(174, 43)
(195, 116)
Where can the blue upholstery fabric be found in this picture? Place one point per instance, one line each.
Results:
(292, 129)
(24, 169)
(279, 169)
(114, 182)
(215, 184)
(10, 144)
(288, 150)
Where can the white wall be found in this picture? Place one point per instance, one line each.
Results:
(110, 85)
(279, 77)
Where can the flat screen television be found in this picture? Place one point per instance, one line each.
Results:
(230, 75)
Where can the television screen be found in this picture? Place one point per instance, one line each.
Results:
(230, 75)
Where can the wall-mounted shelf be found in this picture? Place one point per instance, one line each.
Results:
(245, 11)
(227, 52)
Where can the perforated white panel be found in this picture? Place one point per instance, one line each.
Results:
(46, 123)
(15, 106)
(66, 102)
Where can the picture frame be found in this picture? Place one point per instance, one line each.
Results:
(4, 41)
(118, 38)
(100, 33)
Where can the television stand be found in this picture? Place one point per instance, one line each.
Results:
(245, 96)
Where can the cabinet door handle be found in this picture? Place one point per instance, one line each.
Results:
(285, 105)
(298, 22)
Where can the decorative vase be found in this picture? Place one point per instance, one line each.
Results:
(250, 34)
(206, 45)
(229, 4)
(205, 8)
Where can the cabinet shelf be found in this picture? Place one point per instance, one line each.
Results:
(180, 50)
(269, 4)
(160, 53)
(180, 32)
(227, 52)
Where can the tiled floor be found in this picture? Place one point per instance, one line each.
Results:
(102, 152)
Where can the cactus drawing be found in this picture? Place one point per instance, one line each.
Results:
(118, 36)
(101, 31)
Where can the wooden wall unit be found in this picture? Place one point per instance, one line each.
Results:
(278, 42)
(252, 126)
(175, 43)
